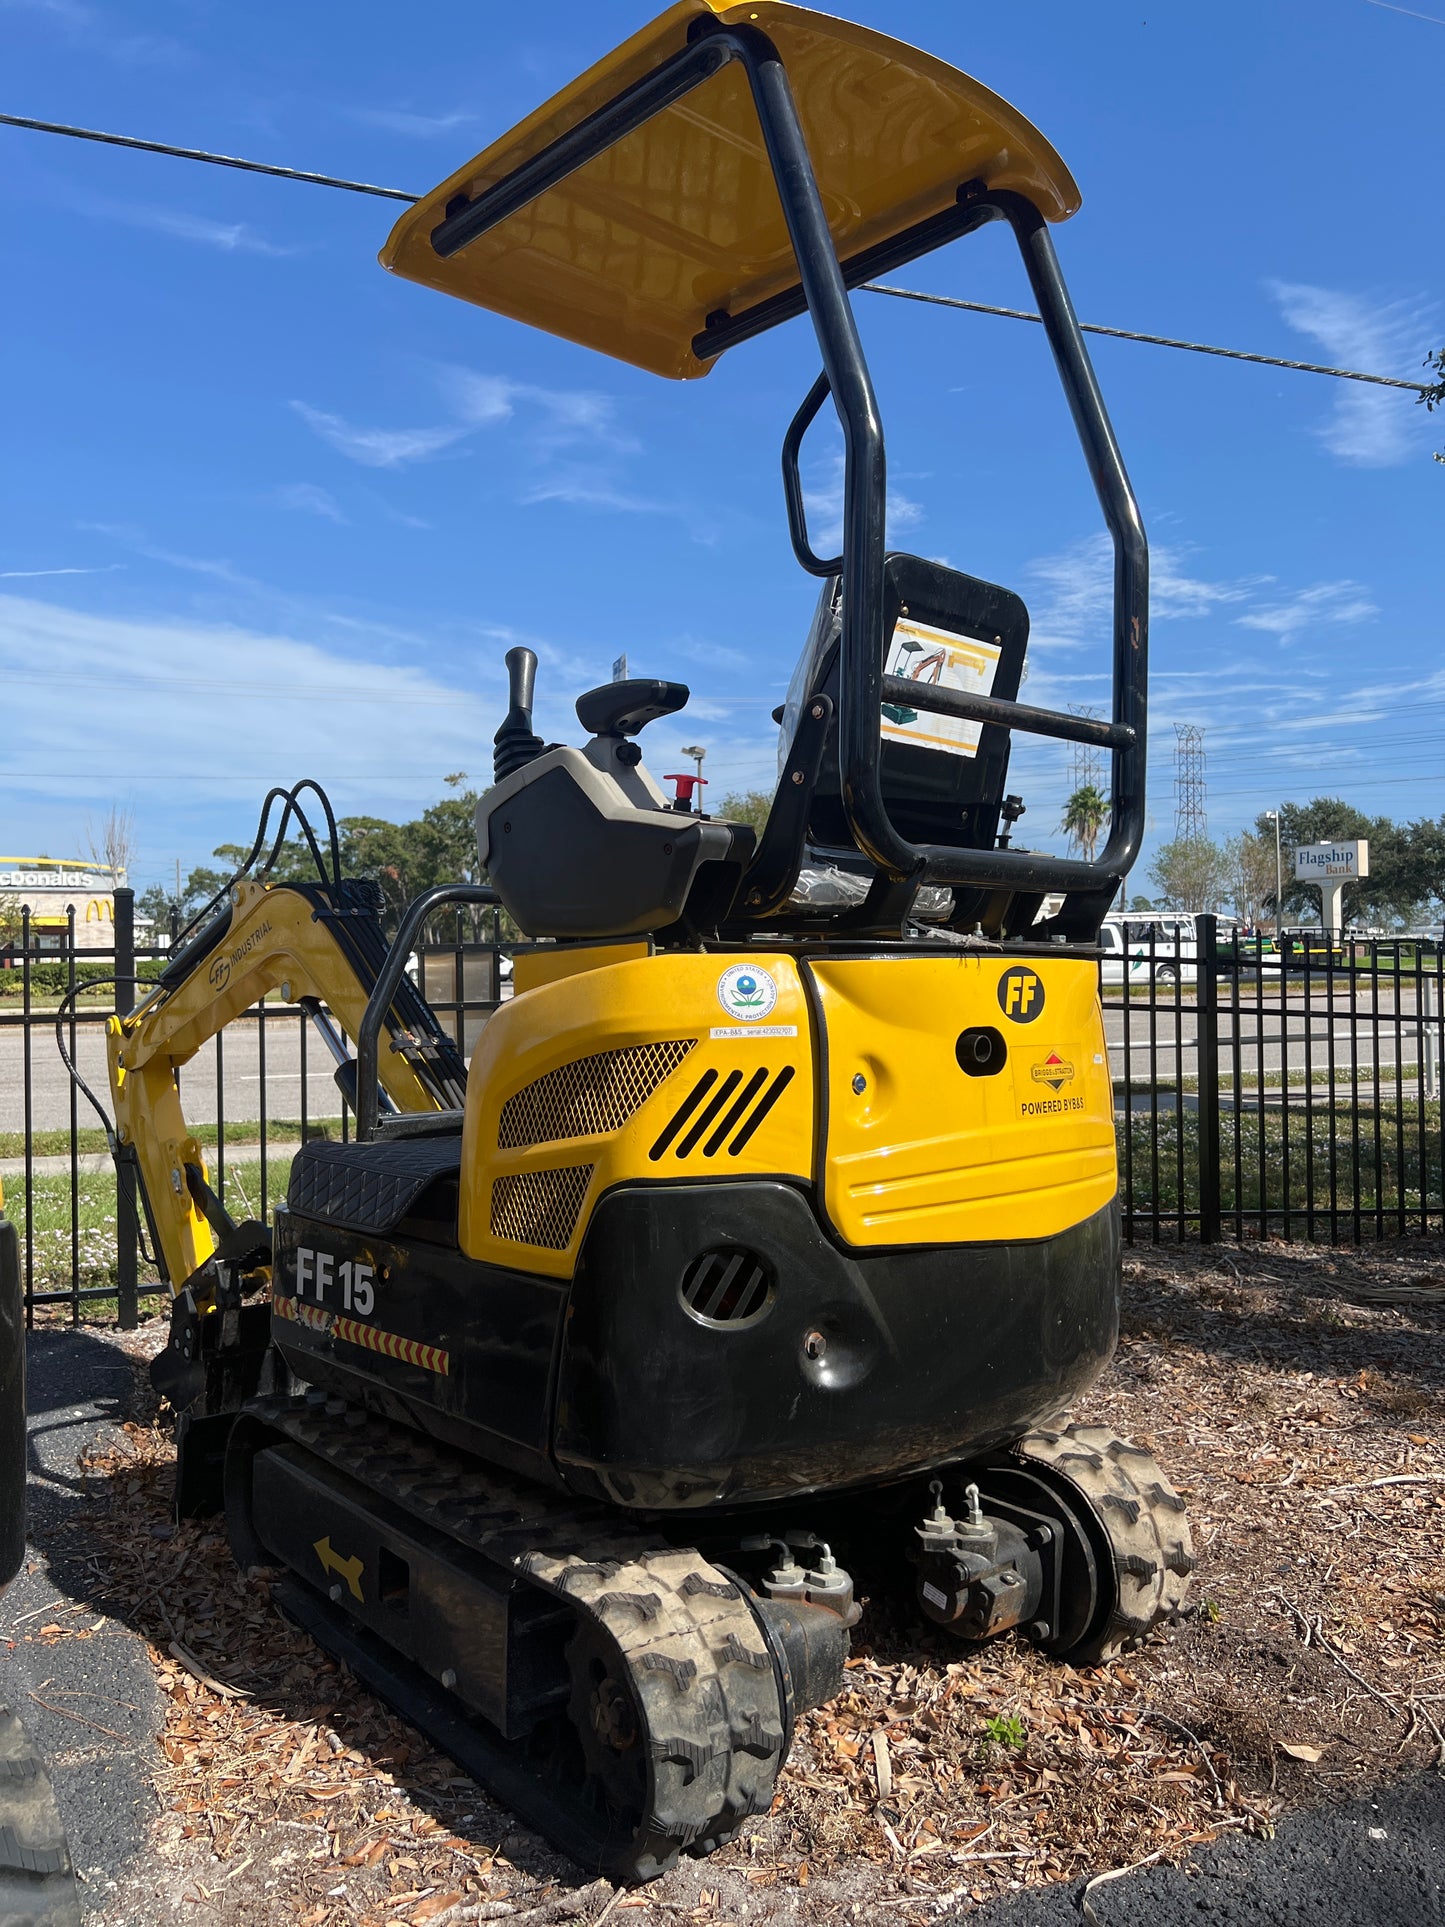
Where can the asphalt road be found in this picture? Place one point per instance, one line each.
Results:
(91, 1704)
(1376, 1861)
(230, 1065)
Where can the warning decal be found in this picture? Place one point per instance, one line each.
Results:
(390, 1344)
(933, 658)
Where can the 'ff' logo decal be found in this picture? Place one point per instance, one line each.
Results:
(1021, 994)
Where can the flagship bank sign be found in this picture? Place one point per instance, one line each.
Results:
(1326, 862)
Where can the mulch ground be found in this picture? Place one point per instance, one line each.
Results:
(1296, 1396)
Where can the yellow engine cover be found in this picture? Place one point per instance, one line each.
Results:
(916, 1151)
(840, 1071)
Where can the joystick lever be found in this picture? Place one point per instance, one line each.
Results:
(515, 741)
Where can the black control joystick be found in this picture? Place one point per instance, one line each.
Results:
(515, 742)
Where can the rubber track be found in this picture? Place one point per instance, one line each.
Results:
(37, 1885)
(1143, 1518)
(699, 1666)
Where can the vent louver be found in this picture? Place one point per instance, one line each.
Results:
(717, 1112)
(729, 1285)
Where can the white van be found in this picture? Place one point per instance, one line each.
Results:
(1126, 942)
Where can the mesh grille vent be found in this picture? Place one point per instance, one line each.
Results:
(729, 1285)
(592, 1095)
(539, 1207)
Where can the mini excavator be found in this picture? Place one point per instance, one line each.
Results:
(772, 1227)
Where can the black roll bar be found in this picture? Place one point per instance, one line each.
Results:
(823, 291)
(368, 1036)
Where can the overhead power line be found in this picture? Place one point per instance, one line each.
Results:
(870, 287)
(1155, 341)
(212, 160)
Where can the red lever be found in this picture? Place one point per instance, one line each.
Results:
(682, 800)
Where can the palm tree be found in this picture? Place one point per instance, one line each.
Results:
(1085, 814)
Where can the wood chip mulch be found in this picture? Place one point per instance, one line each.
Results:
(1296, 1395)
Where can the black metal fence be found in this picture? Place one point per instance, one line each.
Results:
(1257, 1092)
(1275, 1090)
(259, 1090)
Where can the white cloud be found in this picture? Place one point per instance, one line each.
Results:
(712, 655)
(1370, 427)
(307, 499)
(16, 575)
(73, 678)
(1077, 597)
(590, 491)
(555, 417)
(85, 27)
(231, 237)
(401, 120)
(379, 447)
(550, 420)
(1307, 609)
(823, 501)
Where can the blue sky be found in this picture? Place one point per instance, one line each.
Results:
(268, 512)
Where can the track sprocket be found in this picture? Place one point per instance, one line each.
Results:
(1141, 1524)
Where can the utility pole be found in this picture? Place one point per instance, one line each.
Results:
(1272, 816)
(697, 753)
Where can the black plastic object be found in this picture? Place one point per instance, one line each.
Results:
(623, 708)
(568, 865)
(12, 1405)
(773, 872)
(515, 742)
(928, 1355)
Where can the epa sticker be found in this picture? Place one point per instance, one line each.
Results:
(746, 992)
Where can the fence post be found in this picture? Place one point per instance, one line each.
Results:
(1206, 1022)
(1429, 1028)
(127, 1228)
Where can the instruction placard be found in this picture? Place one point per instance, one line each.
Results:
(933, 658)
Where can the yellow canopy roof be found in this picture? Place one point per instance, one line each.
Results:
(681, 218)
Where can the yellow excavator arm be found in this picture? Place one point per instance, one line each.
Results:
(321, 955)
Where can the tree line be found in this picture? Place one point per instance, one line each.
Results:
(402, 859)
(1406, 883)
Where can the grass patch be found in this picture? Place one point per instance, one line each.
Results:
(1370, 1160)
(83, 1247)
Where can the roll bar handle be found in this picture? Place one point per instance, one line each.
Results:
(368, 1037)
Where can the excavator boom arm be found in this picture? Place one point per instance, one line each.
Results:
(323, 955)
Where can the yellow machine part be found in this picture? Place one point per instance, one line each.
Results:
(274, 939)
(574, 1085)
(920, 1153)
(631, 253)
(637, 1071)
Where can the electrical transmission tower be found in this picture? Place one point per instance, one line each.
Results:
(1191, 818)
(1085, 763)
